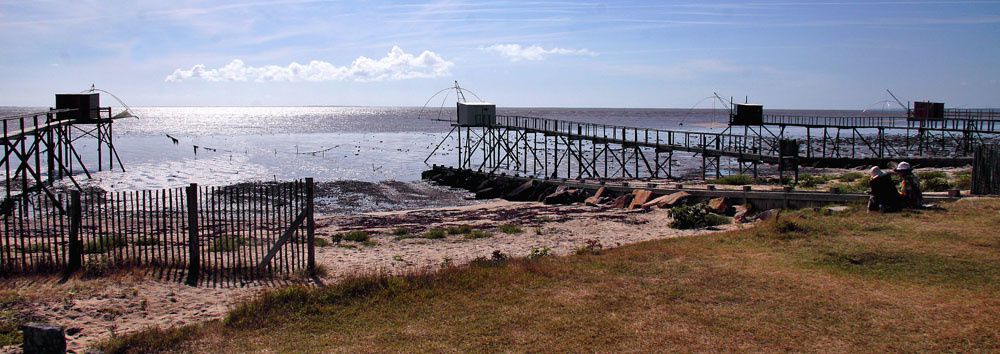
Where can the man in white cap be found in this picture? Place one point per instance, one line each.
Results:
(910, 186)
(884, 196)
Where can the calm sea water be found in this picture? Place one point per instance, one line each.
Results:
(224, 145)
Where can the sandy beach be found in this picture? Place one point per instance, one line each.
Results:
(94, 309)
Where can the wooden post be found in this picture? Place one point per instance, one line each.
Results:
(310, 226)
(75, 244)
(194, 256)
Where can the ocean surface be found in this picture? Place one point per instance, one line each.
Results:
(225, 145)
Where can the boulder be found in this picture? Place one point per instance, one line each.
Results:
(596, 198)
(768, 214)
(487, 193)
(718, 205)
(741, 213)
(43, 338)
(622, 201)
(564, 196)
(639, 197)
(522, 192)
(667, 201)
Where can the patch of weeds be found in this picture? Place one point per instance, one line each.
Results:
(812, 181)
(322, 242)
(934, 184)
(10, 319)
(963, 180)
(149, 340)
(735, 180)
(401, 232)
(851, 176)
(226, 244)
(459, 230)
(347, 246)
(435, 233)
(369, 243)
(713, 219)
(510, 229)
(447, 262)
(476, 234)
(496, 258)
(356, 236)
(539, 252)
(591, 247)
(147, 241)
(102, 244)
(911, 266)
(97, 265)
(858, 186)
(689, 216)
(36, 248)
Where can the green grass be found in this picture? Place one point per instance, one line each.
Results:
(807, 282)
(509, 229)
(36, 248)
(848, 177)
(459, 230)
(435, 233)
(10, 319)
(477, 234)
(147, 241)
(401, 232)
(322, 242)
(226, 243)
(735, 180)
(355, 236)
(102, 244)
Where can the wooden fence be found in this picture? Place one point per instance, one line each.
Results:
(196, 234)
(986, 170)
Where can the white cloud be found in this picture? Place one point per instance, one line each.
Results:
(515, 52)
(396, 65)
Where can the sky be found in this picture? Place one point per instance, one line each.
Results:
(783, 54)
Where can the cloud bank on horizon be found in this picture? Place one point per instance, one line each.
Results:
(396, 65)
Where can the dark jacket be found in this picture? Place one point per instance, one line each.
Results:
(884, 196)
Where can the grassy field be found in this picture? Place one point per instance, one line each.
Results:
(915, 281)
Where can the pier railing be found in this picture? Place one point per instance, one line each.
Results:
(195, 234)
(691, 141)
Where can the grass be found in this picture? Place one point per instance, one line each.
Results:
(10, 319)
(102, 244)
(147, 241)
(509, 229)
(356, 236)
(477, 234)
(459, 230)
(226, 243)
(435, 233)
(808, 282)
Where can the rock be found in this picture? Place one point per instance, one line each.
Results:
(72, 331)
(522, 192)
(564, 196)
(639, 197)
(838, 208)
(596, 198)
(622, 202)
(741, 214)
(769, 214)
(43, 338)
(718, 205)
(667, 201)
(487, 193)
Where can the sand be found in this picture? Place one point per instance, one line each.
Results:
(94, 309)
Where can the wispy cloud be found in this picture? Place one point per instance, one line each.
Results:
(516, 52)
(396, 65)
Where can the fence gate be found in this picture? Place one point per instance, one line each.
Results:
(986, 169)
(201, 235)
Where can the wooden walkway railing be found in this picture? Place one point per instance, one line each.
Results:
(196, 234)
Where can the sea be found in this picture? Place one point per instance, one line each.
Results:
(173, 146)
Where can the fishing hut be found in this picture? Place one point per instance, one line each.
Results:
(43, 147)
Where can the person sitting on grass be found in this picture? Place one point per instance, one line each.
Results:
(909, 188)
(884, 197)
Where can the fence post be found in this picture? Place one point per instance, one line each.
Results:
(194, 255)
(310, 226)
(75, 244)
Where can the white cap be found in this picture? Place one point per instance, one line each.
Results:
(903, 166)
(876, 172)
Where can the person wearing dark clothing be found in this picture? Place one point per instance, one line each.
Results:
(910, 192)
(884, 197)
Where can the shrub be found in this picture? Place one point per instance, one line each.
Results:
(435, 233)
(322, 242)
(931, 175)
(858, 186)
(510, 229)
(400, 232)
(475, 234)
(963, 180)
(356, 236)
(497, 258)
(689, 216)
(934, 184)
(811, 181)
(713, 219)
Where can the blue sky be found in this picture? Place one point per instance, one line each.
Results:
(785, 54)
